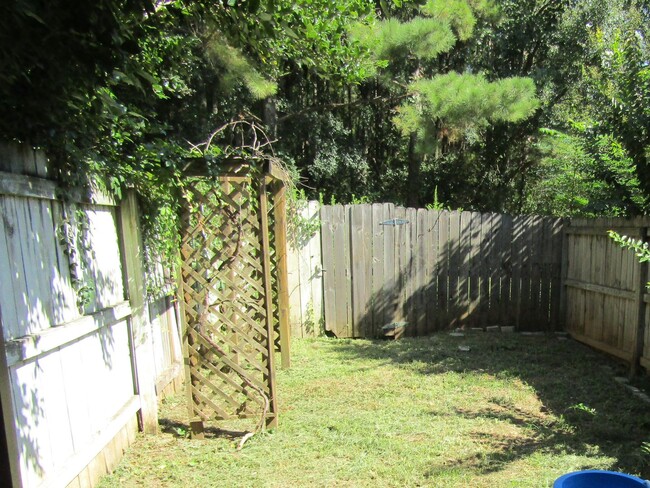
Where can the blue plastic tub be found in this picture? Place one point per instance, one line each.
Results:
(599, 479)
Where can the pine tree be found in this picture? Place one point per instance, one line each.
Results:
(439, 106)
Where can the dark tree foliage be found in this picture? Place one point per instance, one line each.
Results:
(385, 101)
(54, 53)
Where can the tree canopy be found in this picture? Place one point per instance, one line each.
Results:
(501, 105)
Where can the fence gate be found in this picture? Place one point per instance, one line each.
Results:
(228, 272)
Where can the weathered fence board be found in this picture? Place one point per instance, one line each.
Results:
(67, 373)
(437, 270)
(606, 286)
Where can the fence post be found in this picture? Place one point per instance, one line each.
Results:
(280, 231)
(141, 346)
(639, 333)
(272, 420)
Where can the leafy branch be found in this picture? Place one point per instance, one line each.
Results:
(640, 248)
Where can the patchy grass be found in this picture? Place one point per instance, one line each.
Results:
(514, 411)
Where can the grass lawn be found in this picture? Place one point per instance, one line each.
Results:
(513, 411)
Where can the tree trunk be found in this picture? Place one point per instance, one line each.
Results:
(271, 118)
(413, 178)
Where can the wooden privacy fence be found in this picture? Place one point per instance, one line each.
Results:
(379, 264)
(606, 295)
(84, 352)
(437, 270)
(233, 256)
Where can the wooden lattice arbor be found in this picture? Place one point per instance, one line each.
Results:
(233, 291)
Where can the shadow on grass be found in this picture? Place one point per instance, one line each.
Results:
(181, 429)
(583, 411)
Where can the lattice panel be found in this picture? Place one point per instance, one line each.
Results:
(223, 290)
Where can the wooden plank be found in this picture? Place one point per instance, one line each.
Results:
(606, 311)
(31, 346)
(342, 303)
(54, 408)
(443, 305)
(80, 406)
(639, 320)
(402, 238)
(465, 250)
(546, 264)
(646, 344)
(132, 251)
(272, 419)
(8, 406)
(527, 256)
(281, 249)
(568, 272)
(41, 164)
(390, 256)
(26, 281)
(517, 250)
(104, 263)
(410, 283)
(360, 259)
(588, 277)
(560, 249)
(305, 277)
(366, 223)
(625, 355)
(535, 316)
(604, 290)
(378, 304)
(30, 424)
(454, 269)
(42, 255)
(36, 187)
(475, 262)
(329, 268)
(17, 185)
(315, 308)
(92, 456)
(599, 310)
(625, 280)
(15, 158)
(496, 267)
(433, 222)
(428, 270)
(293, 275)
(502, 272)
(420, 261)
(10, 272)
(487, 257)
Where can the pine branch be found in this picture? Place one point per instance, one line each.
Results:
(339, 105)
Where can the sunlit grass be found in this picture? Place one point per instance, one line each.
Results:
(513, 411)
